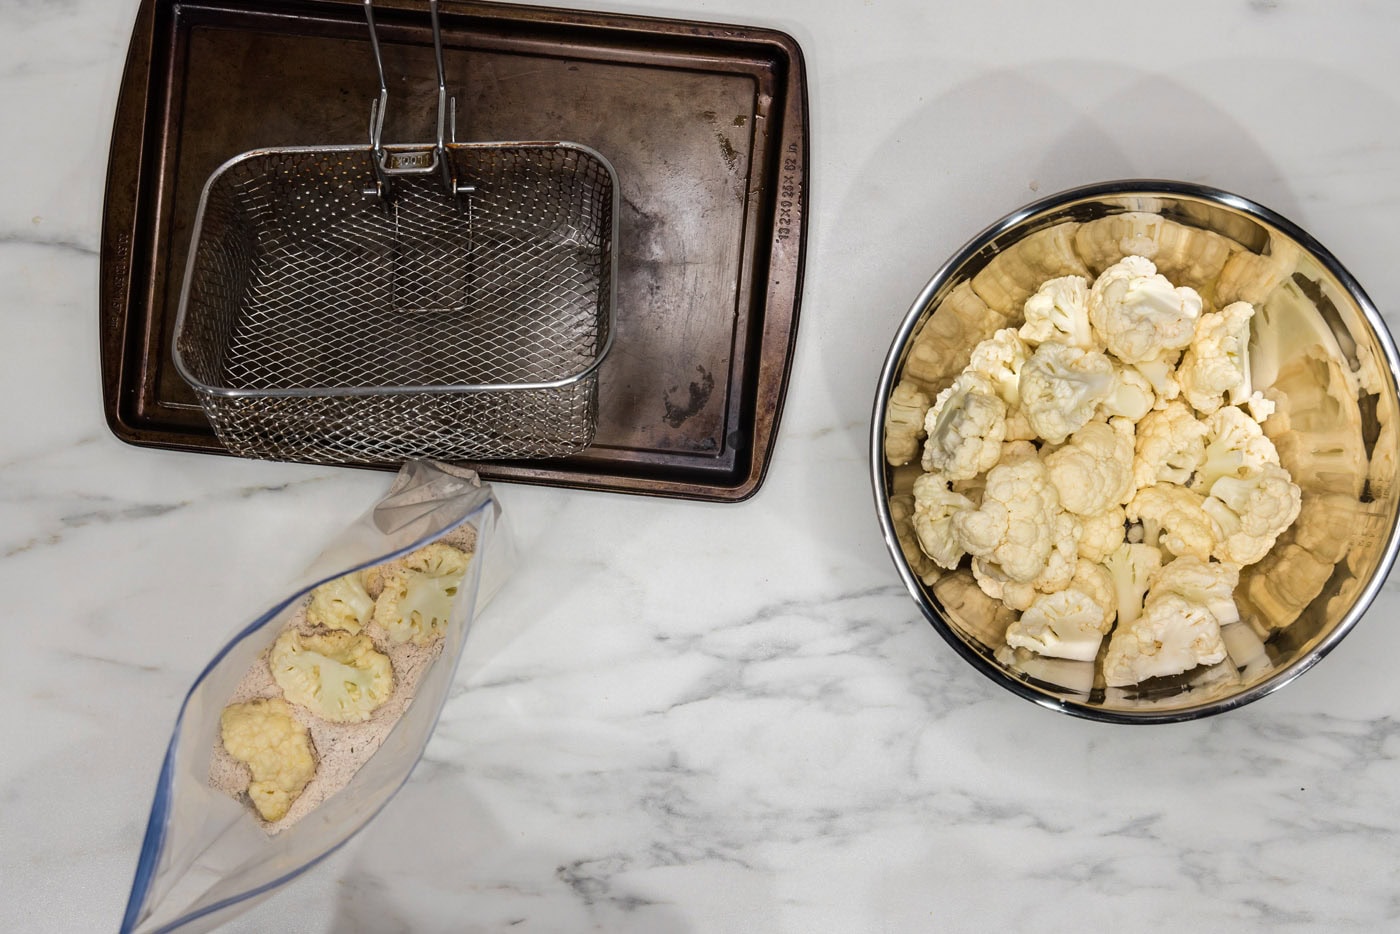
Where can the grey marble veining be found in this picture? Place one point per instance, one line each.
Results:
(697, 718)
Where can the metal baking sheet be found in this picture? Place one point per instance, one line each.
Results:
(706, 125)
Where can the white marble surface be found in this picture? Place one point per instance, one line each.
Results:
(696, 718)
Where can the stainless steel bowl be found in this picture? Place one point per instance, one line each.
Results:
(1322, 352)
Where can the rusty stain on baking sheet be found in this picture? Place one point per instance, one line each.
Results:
(699, 394)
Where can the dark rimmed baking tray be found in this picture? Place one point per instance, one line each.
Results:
(706, 125)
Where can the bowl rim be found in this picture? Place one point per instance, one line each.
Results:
(1146, 187)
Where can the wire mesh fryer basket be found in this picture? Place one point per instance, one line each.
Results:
(361, 304)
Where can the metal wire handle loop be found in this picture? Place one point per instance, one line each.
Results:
(415, 161)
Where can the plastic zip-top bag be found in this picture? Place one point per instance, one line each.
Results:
(312, 716)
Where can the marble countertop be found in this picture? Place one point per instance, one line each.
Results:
(687, 717)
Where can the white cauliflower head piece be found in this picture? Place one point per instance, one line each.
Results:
(1216, 365)
(1173, 635)
(1172, 517)
(999, 358)
(1138, 314)
(1132, 396)
(341, 604)
(1094, 471)
(934, 508)
(1062, 386)
(1101, 533)
(1130, 567)
(1208, 583)
(419, 590)
(1068, 623)
(1170, 445)
(1059, 312)
(1235, 447)
(1014, 526)
(965, 428)
(904, 423)
(338, 676)
(1249, 514)
(264, 736)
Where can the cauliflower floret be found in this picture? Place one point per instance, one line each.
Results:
(1217, 362)
(1059, 312)
(1018, 428)
(1236, 447)
(999, 358)
(965, 428)
(1101, 533)
(1209, 583)
(1094, 471)
(934, 508)
(1138, 314)
(341, 604)
(1056, 575)
(1131, 567)
(1249, 514)
(1160, 374)
(1061, 386)
(337, 676)
(1171, 443)
(419, 590)
(1064, 624)
(1171, 636)
(1172, 518)
(1014, 527)
(1132, 396)
(263, 735)
(904, 423)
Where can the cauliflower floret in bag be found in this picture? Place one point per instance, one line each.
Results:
(1061, 387)
(342, 603)
(1138, 314)
(264, 736)
(965, 428)
(337, 676)
(416, 602)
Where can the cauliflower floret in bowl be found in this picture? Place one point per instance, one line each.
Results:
(1193, 388)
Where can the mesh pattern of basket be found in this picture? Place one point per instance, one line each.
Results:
(322, 322)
